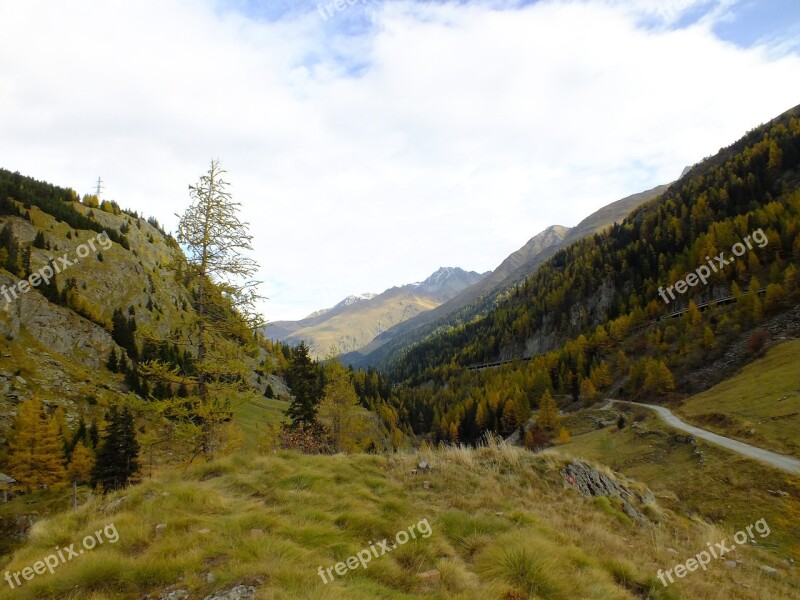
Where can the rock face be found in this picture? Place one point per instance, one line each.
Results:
(590, 482)
(55, 327)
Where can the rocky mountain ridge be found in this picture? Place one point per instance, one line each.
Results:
(357, 320)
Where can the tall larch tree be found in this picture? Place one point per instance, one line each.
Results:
(36, 451)
(81, 465)
(347, 423)
(548, 419)
(215, 240)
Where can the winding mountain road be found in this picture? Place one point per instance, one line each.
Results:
(780, 461)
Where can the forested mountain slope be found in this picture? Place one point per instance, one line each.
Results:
(90, 292)
(615, 276)
(480, 297)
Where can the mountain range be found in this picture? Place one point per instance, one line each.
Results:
(357, 320)
(482, 295)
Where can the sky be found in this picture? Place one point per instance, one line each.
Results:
(373, 143)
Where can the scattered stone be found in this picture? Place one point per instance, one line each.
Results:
(204, 531)
(165, 494)
(211, 578)
(256, 532)
(672, 550)
(423, 466)
(21, 380)
(175, 595)
(115, 504)
(240, 592)
(770, 570)
(779, 493)
(161, 528)
(432, 575)
(426, 485)
(498, 514)
(731, 564)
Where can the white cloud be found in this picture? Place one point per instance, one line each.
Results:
(438, 134)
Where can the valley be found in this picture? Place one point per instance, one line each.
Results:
(541, 359)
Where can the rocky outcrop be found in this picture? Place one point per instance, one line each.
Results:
(56, 328)
(590, 482)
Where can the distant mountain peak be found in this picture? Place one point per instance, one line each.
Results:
(356, 298)
(349, 301)
(441, 274)
(358, 319)
(447, 278)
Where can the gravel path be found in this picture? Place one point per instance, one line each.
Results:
(781, 461)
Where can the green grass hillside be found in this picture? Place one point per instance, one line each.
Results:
(501, 525)
(760, 405)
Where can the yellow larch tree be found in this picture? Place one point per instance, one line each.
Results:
(548, 419)
(36, 451)
(81, 465)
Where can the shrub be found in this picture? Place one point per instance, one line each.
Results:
(755, 345)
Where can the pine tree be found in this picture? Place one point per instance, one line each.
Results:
(36, 451)
(9, 241)
(122, 332)
(80, 435)
(301, 377)
(26, 262)
(117, 457)
(39, 241)
(93, 434)
(113, 362)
